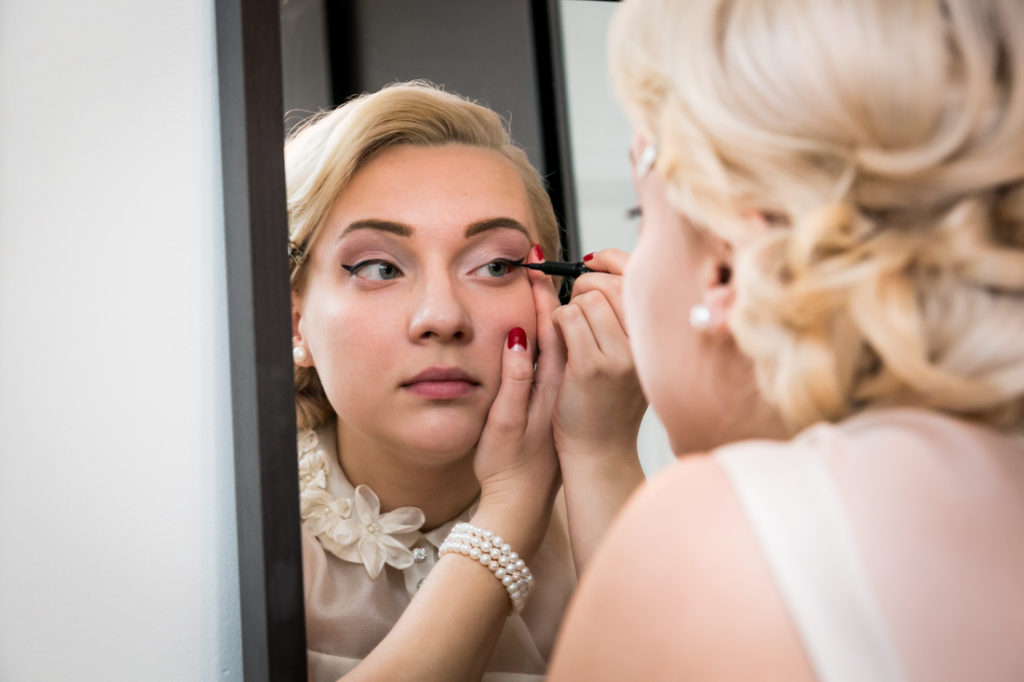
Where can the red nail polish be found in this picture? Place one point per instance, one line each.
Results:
(538, 252)
(589, 256)
(517, 337)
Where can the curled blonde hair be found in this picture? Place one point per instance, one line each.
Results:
(323, 156)
(885, 139)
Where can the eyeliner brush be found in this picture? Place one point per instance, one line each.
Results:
(553, 267)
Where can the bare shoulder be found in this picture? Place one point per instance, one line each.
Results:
(679, 590)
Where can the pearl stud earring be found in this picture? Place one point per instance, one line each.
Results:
(700, 316)
(299, 354)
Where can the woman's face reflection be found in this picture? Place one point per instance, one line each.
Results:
(407, 303)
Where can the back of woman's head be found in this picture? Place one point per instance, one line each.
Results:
(323, 156)
(884, 139)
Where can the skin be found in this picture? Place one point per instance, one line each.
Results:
(424, 232)
(424, 299)
(703, 605)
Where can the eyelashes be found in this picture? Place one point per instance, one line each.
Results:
(380, 270)
(507, 263)
(634, 212)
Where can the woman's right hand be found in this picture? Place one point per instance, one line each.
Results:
(516, 462)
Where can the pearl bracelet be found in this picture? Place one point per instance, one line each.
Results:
(494, 553)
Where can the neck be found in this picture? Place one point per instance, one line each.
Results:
(442, 488)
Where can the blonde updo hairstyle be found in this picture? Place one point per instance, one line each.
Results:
(324, 154)
(884, 141)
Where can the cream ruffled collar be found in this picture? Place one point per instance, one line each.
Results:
(347, 521)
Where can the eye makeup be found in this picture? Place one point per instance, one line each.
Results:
(556, 268)
(385, 270)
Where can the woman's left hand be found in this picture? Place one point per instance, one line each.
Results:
(600, 404)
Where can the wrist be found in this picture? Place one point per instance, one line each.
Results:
(596, 445)
(606, 456)
(522, 520)
(491, 550)
(595, 471)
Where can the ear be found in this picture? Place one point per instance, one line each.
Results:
(716, 282)
(718, 291)
(297, 339)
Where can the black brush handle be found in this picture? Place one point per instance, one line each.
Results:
(553, 267)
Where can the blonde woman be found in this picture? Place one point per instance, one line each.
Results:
(828, 297)
(436, 545)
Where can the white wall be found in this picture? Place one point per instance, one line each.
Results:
(117, 540)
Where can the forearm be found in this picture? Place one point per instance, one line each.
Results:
(596, 487)
(448, 631)
(450, 628)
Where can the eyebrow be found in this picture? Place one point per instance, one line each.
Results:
(495, 223)
(401, 229)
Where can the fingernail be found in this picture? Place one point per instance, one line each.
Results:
(589, 256)
(538, 252)
(517, 339)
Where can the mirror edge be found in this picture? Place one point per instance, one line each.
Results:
(259, 307)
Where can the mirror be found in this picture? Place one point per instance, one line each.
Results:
(583, 123)
(325, 52)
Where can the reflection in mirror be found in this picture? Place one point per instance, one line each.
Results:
(600, 136)
(409, 313)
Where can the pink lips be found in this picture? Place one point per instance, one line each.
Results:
(441, 383)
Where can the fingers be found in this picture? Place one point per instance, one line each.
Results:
(589, 324)
(508, 412)
(577, 333)
(607, 284)
(612, 261)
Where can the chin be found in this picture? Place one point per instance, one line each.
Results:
(444, 436)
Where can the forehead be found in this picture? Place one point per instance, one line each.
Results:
(435, 187)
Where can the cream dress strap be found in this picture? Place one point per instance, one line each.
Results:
(797, 515)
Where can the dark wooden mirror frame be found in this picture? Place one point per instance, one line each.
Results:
(259, 312)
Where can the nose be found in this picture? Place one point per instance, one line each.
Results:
(440, 313)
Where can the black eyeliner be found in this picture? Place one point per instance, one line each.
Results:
(553, 267)
(359, 264)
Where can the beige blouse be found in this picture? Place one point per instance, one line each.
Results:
(361, 569)
(896, 539)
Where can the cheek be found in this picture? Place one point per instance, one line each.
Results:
(519, 311)
(657, 300)
(348, 340)
(495, 315)
(495, 312)
(639, 293)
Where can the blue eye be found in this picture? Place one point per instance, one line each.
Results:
(497, 268)
(374, 270)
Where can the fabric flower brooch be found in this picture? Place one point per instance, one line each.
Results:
(353, 529)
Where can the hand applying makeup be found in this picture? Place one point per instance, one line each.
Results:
(600, 404)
